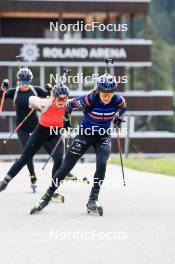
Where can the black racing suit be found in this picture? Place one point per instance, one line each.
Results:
(22, 109)
(40, 137)
(102, 148)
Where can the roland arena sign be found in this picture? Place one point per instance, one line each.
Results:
(75, 52)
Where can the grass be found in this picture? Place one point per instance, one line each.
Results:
(157, 165)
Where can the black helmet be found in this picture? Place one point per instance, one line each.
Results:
(106, 84)
(60, 90)
(24, 74)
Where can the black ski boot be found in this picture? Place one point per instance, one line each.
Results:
(33, 183)
(3, 185)
(42, 203)
(93, 205)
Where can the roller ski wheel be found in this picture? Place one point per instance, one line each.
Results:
(85, 180)
(58, 198)
(3, 185)
(33, 183)
(94, 207)
(41, 204)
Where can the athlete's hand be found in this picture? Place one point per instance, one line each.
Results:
(5, 84)
(49, 87)
(66, 123)
(118, 121)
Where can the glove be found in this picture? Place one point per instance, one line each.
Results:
(66, 123)
(48, 87)
(5, 84)
(117, 121)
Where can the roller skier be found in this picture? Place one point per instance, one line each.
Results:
(101, 108)
(20, 96)
(53, 110)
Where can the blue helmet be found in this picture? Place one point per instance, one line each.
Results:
(24, 74)
(106, 84)
(60, 90)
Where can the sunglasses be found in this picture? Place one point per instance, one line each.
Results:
(107, 95)
(24, 82)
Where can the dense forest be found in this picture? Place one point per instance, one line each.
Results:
(161, 26)
(161, 30)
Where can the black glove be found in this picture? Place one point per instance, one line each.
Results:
(48, 87)
(66, 123)
(117, 121)
(5, 84)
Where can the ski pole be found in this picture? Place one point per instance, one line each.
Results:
(53, 151)
(65, 74)
(19, 59)
(108, 60)
(121, 160)
(18, 126)
(68, 140)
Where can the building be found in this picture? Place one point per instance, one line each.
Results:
(25, 29)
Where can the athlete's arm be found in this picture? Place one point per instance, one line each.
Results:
(79, 103)
(76, 103)
(121, 104)
(42, 104)
(9, 93)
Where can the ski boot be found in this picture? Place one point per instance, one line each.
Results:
(58, 198)
(33, 183)
(42, 203)
(3, 185)
(93, 205)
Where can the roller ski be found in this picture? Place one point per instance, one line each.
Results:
(42, 203)
(70, 177)
(33, 183)
(93, 206)
(58, 198)
(3, 185)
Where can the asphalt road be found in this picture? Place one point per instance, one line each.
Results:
(138, 225)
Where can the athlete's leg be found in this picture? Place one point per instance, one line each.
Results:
(36, 140)
(102, 150)
(79, 146)
(24, 137)
(58, 154)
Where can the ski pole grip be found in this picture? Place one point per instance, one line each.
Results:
(107, 60)
(19, 58)
(5, 84)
